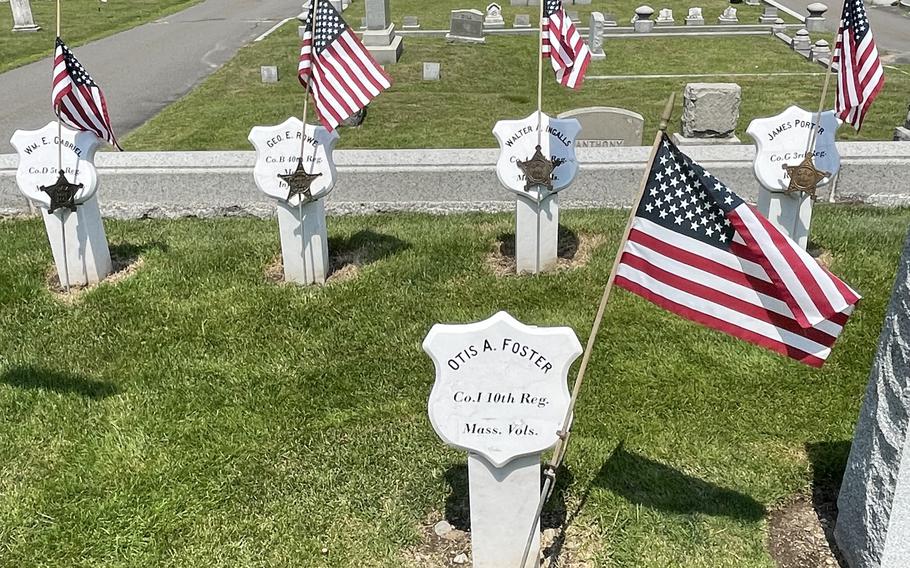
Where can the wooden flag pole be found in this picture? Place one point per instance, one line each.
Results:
(306, 96)
(560, 451)
(813, 133)
(66, 268)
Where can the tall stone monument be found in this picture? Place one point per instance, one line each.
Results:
(873, 522)
(501, 393)
(596, 37)
(22, 16)
(380, 38)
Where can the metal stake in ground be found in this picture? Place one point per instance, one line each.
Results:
(560, 451)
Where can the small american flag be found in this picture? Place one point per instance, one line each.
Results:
(860, 76)
(563, 45)
(77, 99)
(698, 250)
(342, 75)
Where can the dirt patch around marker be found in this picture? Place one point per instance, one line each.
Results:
(572, 251)
(801, 531)
(344, 265)
(572, 548)
(125, 265)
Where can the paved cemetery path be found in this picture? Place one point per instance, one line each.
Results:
(890, 26)
(146, 68)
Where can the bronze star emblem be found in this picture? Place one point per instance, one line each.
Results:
(299, 182)
(805, 177)
(62, 193)
(539, 170)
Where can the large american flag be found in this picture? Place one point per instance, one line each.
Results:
(860, 75)
(563, 45)
(342, 74)
(698, 250)
(77, 99)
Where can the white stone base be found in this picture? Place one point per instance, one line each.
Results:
(87, 258)
(681, 140)
(902, 134)
(536, 234)
(27, 28)
(387, 54)
(598, 56)
(304, 242)
(503, 506)
(789, 212)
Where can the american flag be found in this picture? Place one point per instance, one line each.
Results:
(563, 45)
(343, 77)
(698, 250)
(860, 75)
(77, 99)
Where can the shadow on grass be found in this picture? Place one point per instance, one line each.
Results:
(828, 461)
(650, 483)
(458, 503)
(567, 243)
(38, 378)
(362, 248)
(128, 252)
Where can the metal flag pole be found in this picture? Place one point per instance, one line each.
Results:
(66, 268)
(814, 132)
(560, 451)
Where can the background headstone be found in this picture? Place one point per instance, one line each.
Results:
(902, 133)
(410, 23)
(728, 17)
(430, 71)
(380, 38)
(768, 14)
(22, 16)
(816, 20)
(710, 113)
(493, 18)
(466, 26)
(596, 36)
(643, 22)
(522, 21)
(694, 17)
(873, 521)
(802, 43)
(268, 73)
(821, 51)
(607, 127)
(665, 17)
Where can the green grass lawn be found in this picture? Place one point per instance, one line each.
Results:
(195, 414)
(436, 14)
(83, 21)
(482, 84)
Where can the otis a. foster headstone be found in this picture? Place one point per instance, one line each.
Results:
(873, 522)
(501, 393)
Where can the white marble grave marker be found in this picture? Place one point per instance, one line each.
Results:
(85, 258)
(782, 141)
(537, 206)
(301, 218)
(501, 393)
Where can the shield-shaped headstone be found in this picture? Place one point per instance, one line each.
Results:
(39, 159)
(782, 141)
(278, 150)
(518, 141)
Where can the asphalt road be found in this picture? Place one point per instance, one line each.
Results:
(144, 69)
(890, 26)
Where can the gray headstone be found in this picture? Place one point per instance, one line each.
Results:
(22, 16)
(728, 16)
(695, 17)
(607, 127)
(522, 21)
(466, 26)
(269, 73)
(378, 14)
(873, 522)
(430, 71)
(410, 23)
(768, 15)
(710, 110)
(596, 36)
(573, 15)
(493, 18)
(665, 17)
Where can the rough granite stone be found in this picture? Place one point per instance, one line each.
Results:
(872, 525)
(710, 110)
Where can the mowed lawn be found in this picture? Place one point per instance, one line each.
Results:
(81, 21)
(482, 84)
(197, 415)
